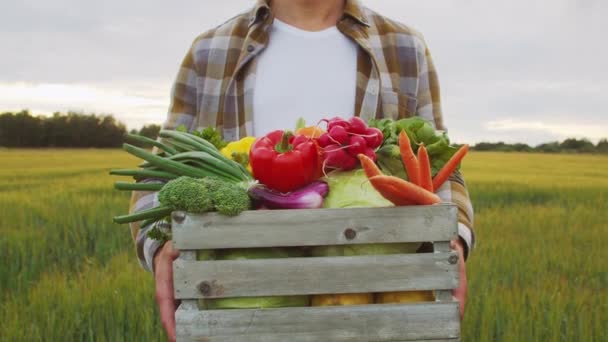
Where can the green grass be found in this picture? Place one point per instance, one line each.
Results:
(539, 272)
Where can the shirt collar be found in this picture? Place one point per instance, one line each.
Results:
(259, 12)
(353, 9)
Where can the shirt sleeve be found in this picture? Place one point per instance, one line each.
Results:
(454, 190)
(182, 111)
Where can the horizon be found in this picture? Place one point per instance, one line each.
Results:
(132, 129)
(534, 82)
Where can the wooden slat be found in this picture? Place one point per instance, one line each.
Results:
(293, 276)
(190, 304)
(266, 228)
(389, 322)
(442, 294)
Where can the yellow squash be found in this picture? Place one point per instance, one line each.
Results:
(404, 297)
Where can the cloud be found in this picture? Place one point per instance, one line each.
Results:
(559, 129)
(539, 61)
(147, 104)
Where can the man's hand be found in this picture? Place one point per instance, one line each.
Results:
(460, 293)
(163, 272)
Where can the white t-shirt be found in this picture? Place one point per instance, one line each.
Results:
(303, 74)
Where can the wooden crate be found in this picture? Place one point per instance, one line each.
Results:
(437, 271)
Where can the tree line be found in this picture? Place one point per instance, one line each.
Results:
(22, 129)
(570, 145)
(72, 129)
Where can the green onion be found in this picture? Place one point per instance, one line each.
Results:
(138, 186)
(147, 141)
(158, 213)
(139, 173)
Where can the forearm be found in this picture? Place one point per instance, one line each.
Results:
(429, 108)
(146, 247)
(455, 191)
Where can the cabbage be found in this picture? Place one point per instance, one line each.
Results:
(352, 189)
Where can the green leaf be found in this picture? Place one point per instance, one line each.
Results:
(427, 134)
(301, 123)
(159, 235)
(212, 135)
(438, 161)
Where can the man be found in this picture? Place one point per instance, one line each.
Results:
(284, 59)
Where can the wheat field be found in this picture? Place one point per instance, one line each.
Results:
(539, 272)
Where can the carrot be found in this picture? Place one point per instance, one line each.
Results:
(409, 159)
(370, 168)
(449, 167)
(390, 192)
(310, 132)
(426, 179)
(402, 192)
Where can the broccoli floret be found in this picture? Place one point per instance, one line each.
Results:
(186, 193)
(199, 195)
(231, 199)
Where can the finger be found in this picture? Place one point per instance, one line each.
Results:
(165, 296)
(167, 309)
(460, 293)
(173, 252)
(458, 296)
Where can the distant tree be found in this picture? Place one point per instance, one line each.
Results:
(60, 130)
(150, 131)
(577, 145)
(519, 147)
(484, 146)
(602, 146)
(551, 147)
(502, 147)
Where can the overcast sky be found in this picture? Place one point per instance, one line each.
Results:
(518, 70)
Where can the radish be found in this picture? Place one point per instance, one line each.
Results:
(337, 158)
(357, 125)
(373, 137)
(369, 152)
(324, 140)
(337, 121)
(349, 163)
(339, 135)
(356, 145)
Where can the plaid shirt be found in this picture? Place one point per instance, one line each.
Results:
(396, 78)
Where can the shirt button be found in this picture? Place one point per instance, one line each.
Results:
(250, 48)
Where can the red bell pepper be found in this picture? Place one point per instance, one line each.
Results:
(284, 163)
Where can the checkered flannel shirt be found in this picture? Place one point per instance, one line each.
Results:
(396, 78)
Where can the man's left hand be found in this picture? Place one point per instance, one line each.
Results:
(460, 293)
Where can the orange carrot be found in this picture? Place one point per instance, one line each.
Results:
(310, 132)
(390, 192)
(449, 167)
(370, 168)
(409, 159)
(426, 179)
(402, 192)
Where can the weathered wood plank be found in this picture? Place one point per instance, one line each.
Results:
(293, 276)
(389, 322)
(444, 295)
(265, 228)
(188, 304)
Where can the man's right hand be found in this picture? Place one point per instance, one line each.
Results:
(163, 272)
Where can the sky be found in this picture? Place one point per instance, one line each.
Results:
(516, 71)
